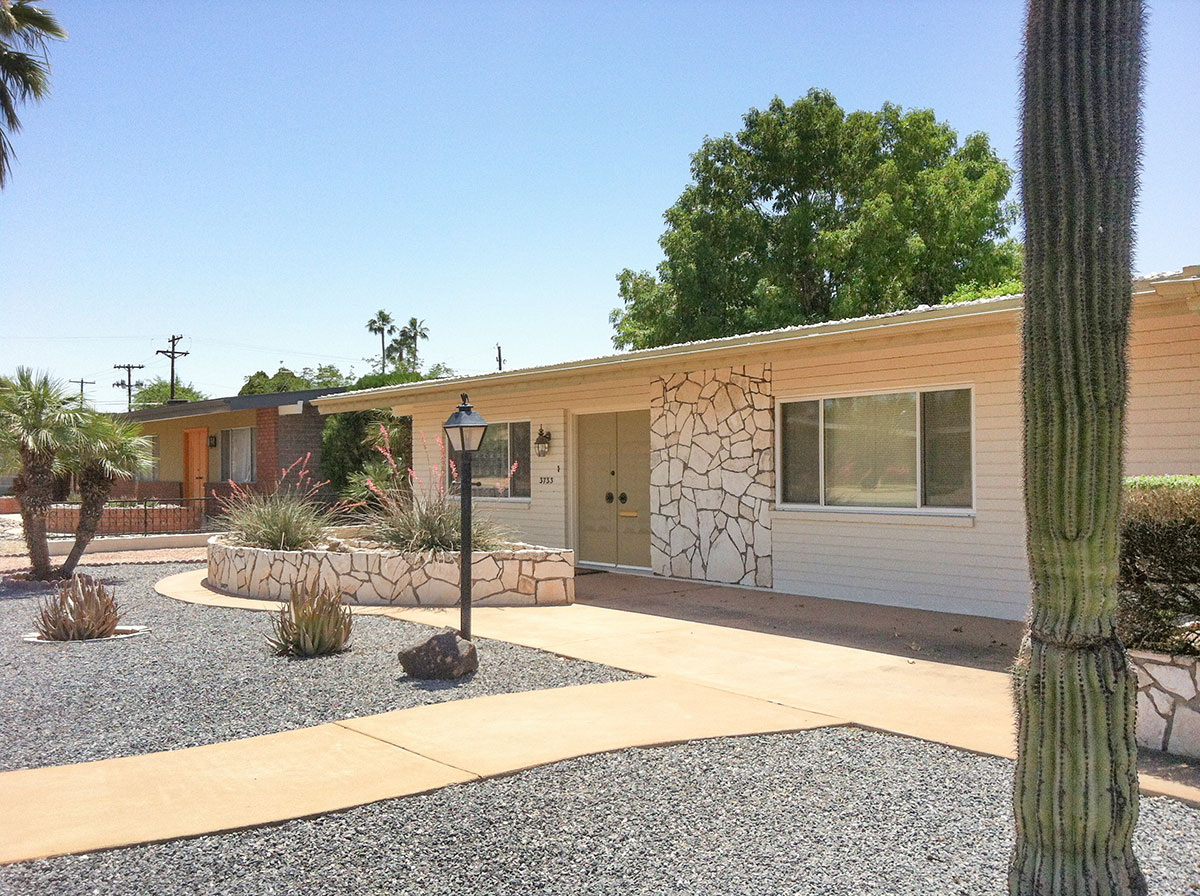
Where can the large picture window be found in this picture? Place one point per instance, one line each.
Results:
(904, 449)
(500, 468)
(238, 455)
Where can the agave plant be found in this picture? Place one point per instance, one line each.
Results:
(311, 624)
(81, 609)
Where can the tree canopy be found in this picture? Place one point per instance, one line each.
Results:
(25, 32)
(158, 391)
(809, 214)
(258, 383)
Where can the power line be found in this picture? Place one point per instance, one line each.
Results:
(172, 353)
(128, 384)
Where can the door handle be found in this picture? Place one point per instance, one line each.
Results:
(624, 497)
(608, 497)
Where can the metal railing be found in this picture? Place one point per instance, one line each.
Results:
(144, 517)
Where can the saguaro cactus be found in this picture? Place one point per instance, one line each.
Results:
(1075, 790)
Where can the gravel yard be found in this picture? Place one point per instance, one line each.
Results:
(205, 674)
(832, 811)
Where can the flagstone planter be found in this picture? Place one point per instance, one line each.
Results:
(1168, 702)
(523, 575)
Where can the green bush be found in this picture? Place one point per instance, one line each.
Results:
(313, 624)
(81, 609)
(1159, 582)
(291, 518)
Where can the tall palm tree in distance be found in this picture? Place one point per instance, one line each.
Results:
(409, 334)
(25, 30)
(383, 325)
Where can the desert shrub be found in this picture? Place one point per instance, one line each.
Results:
(81, 609)
(1159, 583)
(293, 517)
(414, 516)
(311, 624)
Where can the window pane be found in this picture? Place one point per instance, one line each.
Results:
(871, 451)
(150, 473)
(241, 455)
(519, 453)
(946, 448)
(226, 468)
(800, 452)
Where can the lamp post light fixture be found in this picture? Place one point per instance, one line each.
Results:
(464, 434)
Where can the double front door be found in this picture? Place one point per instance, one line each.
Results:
(614, 488)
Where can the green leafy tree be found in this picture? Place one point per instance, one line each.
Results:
(809, 213)
(25, 33)
(158, 391)
(382, 325)
(327, 376)
(258, 383)
(1075, 787)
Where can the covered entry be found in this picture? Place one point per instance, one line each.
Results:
(614, 488)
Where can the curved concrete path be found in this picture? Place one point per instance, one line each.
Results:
(711, 681)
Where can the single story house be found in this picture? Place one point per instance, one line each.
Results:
(201, 446)
(875, 459)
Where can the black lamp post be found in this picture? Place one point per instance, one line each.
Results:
(464, 434)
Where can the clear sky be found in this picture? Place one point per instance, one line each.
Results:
(262, 177)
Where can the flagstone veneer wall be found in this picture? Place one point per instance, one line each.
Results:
(523, 576)
(712, 475)
(1168, 702)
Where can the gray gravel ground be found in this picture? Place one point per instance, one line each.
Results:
(831, 811)
(205, 674)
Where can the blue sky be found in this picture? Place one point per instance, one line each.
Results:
(262, 177)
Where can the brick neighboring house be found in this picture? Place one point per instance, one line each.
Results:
(200, 446)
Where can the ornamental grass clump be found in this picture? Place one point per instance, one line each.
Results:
(311, 624)
(1160, 564)
(417, 518)
(293, 517)
(82, 609)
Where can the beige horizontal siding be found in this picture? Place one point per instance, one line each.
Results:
(959, 564)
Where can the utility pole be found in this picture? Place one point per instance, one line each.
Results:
(128, 384)
(82, 383)
(499, 358)
(172, 354)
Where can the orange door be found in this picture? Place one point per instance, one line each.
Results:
(195, 462)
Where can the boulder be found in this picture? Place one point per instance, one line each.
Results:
(443, 656)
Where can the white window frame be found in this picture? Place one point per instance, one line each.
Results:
(253, 430)
(509, 499)
(822, 507)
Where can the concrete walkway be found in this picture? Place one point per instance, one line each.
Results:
(710, 681)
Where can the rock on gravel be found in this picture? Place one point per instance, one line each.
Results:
(206, 674)
(830, 812)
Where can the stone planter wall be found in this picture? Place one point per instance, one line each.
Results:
(523, 576)
(1168, 705)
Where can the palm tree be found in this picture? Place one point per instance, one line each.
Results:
(409, 335)
(384, 325)
(1075, 790)
(25, 30)
(101, 452)
(38, 422)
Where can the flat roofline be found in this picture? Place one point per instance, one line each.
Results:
(1171, 285)
(225, 405)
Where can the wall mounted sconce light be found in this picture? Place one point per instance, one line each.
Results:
(212, 441)
(541, 445)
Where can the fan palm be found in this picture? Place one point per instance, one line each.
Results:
(25, 30)
(39, 419)
(383, 325)
(409, 335)
(101, 452)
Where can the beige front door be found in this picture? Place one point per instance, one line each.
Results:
(195, 462)
(614, 488)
